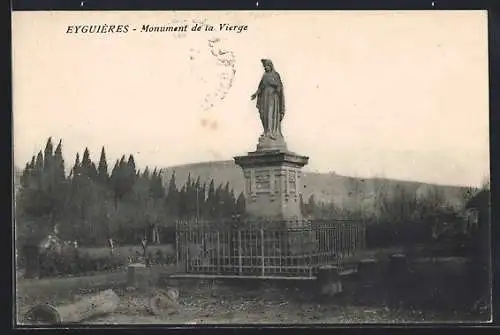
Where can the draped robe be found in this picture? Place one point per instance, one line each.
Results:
(271, 103)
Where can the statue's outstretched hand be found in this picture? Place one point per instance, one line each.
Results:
(253, 96)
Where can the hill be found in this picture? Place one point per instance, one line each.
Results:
(326, 187)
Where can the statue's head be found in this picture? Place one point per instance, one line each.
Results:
(268, 65)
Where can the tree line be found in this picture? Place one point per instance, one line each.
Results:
(92, 204)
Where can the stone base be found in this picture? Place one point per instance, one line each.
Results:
(132, 274)
(267, 143)
(272, 185)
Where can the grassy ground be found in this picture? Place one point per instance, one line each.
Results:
(126, 251)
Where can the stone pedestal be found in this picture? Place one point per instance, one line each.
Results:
(273, 183)
(132, 275)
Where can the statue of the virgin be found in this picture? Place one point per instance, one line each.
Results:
(270, 102)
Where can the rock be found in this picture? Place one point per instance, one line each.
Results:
(164, 301)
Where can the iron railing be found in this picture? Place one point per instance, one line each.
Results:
(260, 250)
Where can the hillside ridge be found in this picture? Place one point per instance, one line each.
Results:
(326, 187)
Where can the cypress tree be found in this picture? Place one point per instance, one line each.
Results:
(48, 152)
(145, 173)
(32, 163)
(218, 202)
(121, 178)
(102, 169)
(211, 201)
(88, 168)
(199, 197)
(203, 198)
(38, 170)
(130, 173)
(75, 171)
(240, 204)
(131, 165)
(182, 208)
(189, 197)
(232, 203)
(59, 164)
(172, 198)
(156, 186)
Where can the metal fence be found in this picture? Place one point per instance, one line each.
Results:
(259, 250)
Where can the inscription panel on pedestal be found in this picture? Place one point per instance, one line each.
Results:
(262, 181)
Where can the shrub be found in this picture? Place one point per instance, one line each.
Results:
(73, 263)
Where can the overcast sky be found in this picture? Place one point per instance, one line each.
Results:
(397, 94)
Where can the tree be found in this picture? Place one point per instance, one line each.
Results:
(102, 169)
(211, 201)
(129, 174)
(75, 170)
(182, 203)
(156, 186)
(232, 202)
(240, 204)
(28, 173)
(59, 173)
(48, 152)
(189, 197)
(172, 198)
(121, 179)
(41, 199)
(311, 205)
(145, 173)
(227, 201)
(38, 170)
(218, 202)
(203, 199)
(88, 210)
(199, 198)
(25, 176)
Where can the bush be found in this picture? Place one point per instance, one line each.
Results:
(73, 263)
(389, 234)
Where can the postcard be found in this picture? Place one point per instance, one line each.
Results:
(251, 167)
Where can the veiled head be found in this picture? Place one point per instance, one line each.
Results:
(268, 64)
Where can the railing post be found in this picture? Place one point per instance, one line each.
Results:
(262, 250)
(187, 243)
(177, 249)
(239, 253)
(218, 252)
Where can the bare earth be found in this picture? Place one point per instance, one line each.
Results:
(206, 302)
